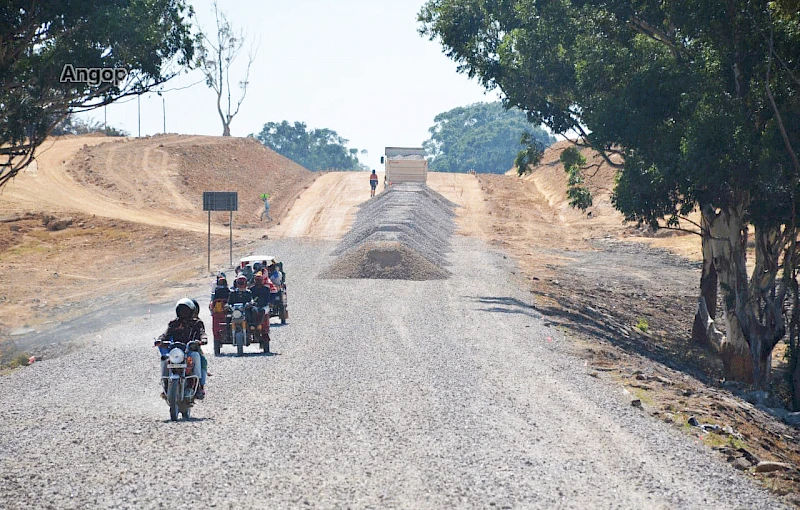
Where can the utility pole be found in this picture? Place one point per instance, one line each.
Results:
(163, 110)
(139, 110)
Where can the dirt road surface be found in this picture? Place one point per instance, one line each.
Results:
(380, 394)
(389, 394)
(326, 210)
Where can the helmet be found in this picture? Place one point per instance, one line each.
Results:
(185, 308)
(222, 282)
(258, 277)
(240, 281)
(196, 313)
(257, 267)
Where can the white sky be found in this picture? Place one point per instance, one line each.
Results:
(358, 67)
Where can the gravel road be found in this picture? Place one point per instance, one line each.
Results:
(381, 394)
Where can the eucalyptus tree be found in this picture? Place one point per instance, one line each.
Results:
(701, 100)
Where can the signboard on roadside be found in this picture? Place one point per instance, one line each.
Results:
(220, 201)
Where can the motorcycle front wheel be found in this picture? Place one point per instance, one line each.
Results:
(172, 399)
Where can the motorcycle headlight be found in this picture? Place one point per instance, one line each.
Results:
(237, 314)
(176, 356)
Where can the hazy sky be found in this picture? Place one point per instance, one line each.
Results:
(358, 67)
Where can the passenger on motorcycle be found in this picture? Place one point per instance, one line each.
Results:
(262, 291)
(221, 291)
(185, 328)
(247, 271)
(203, 360)
(275, 275)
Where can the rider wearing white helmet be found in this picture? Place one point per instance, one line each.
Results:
(185, 328)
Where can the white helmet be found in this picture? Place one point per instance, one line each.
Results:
(188, 303)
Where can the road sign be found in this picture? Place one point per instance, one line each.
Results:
(220, 201)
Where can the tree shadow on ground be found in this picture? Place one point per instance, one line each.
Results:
(505, 305)
(616, 327)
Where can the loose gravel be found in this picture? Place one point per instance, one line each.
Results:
(380, 394)
(403, 233)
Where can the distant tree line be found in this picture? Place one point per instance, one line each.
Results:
(484, 137)
(315, 149)
(75, 126)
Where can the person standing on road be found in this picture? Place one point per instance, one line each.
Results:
(265, 198)
(373, 183)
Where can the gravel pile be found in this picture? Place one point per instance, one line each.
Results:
(402, 234)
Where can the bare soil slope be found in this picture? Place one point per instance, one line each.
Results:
(326, 210)
(134, 225)
(170, 172)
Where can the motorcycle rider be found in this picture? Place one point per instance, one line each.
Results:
(240, 294)
(262, 291)
(184, 328)
(217, 306)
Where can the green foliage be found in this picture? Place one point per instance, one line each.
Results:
(675, 87)
(39, 38)
(315, 149)
(531, 155)
(642, 325)
(484, 137)
(578, 194)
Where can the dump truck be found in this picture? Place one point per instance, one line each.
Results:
(405, 164)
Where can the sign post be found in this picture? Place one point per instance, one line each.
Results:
(220, 201)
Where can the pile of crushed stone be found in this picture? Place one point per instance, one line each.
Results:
(402, 234)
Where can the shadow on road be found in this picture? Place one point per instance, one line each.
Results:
(505, 305)
(247, 355)
(192, 419)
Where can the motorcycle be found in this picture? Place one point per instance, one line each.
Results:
(179, 383)
(237, 331)
(278, 307)
(260, 333)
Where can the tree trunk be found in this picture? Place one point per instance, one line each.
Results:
(796, 386)
(226, 130)
(754, 312)
(728, 241)
(704, 331)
